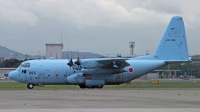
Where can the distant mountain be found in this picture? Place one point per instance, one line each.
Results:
(8, 53)
(81, 55)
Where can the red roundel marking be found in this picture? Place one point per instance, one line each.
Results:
(130, 69)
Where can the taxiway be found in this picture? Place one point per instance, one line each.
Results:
(101, 98)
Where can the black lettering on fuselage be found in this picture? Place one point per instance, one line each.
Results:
(32, 72)
(170, 40)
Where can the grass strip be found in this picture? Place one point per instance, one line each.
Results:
(165, 85)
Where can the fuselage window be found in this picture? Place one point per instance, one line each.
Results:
(23, 71)
(28, 65)
(25, 65)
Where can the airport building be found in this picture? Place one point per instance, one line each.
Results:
(195, 58)
(54, 50)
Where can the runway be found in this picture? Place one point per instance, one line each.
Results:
(122, 99)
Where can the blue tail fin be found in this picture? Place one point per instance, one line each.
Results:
(173, 45)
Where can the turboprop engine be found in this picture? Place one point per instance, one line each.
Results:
(76, 78)
(79, 79)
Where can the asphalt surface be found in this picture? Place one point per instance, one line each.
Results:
(101, 100)
(96, 100)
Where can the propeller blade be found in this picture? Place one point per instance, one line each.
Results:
(70, 63)
(78, 62)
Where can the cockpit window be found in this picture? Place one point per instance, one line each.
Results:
(25, 65)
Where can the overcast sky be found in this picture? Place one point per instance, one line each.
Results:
(100, 26)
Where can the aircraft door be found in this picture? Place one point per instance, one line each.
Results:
(57, 74)
(23, 75)
(41, 78)
(47, 76)
(119, 78)
(26, 75)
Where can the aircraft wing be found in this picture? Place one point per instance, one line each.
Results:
(113, 62)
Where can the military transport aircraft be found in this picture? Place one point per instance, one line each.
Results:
(95, 73)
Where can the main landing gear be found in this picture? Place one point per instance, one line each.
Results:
(30, 86)
(92, 87)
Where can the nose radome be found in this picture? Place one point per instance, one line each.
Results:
(12, 75)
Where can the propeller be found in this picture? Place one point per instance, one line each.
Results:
(78, 62)
(70, 63)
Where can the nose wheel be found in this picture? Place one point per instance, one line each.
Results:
(30, 86)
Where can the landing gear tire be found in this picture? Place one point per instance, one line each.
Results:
(82, 86)
(30, 86)
(99, 87)
(90, 87)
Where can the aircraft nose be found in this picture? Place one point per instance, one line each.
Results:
(12, 75)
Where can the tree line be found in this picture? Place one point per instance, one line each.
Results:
(186, 69)
(11, 63)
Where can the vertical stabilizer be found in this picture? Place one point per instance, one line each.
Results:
(173, 45)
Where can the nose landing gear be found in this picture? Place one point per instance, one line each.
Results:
(30, 86)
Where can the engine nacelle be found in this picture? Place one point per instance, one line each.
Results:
(77, 78)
